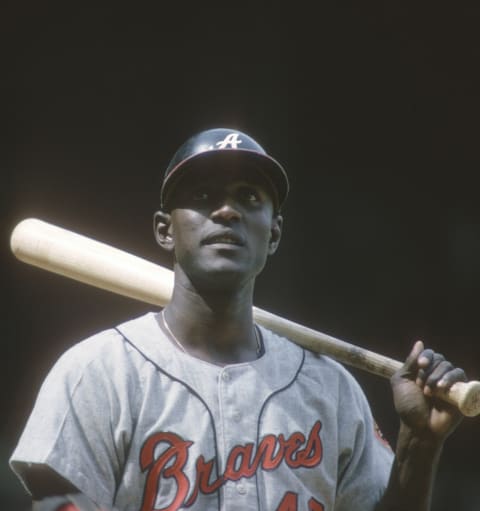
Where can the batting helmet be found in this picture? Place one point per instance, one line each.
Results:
(234, 146)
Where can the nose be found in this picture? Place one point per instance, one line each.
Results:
(226, 211)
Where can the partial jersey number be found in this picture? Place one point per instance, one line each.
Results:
(290, 503)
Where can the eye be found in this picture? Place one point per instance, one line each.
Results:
(250, 194)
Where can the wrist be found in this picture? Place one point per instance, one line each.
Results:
(421, 445)
(413, 471)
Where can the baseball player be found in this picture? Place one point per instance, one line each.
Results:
(197, 407)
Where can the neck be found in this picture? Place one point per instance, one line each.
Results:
(217, 325)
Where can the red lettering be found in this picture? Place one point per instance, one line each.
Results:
(242, 462)
(266, 450)
(291, 446)
(177, 452)
(311, 455)
(204, 473)
(239, 463)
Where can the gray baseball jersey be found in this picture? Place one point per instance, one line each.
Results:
(137, 424)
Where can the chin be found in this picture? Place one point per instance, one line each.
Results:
(224, 276)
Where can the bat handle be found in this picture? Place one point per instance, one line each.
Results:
(464, 395)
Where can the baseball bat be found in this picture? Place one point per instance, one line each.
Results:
(84, 259)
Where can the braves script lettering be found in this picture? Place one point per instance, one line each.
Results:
(243, 461)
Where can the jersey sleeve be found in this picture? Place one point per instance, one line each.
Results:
(365, 466)
(77, 426)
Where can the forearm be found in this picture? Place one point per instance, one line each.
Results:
(413, 473)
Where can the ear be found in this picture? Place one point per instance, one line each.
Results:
(162, 230)
(275, 233)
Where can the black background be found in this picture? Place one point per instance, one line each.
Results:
(374, 111)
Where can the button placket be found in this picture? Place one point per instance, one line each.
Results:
(236, 433)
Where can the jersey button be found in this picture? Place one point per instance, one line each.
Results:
(241, 488)
(236, 416)
(225, 376)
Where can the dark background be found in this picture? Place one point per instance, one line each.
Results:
(374, 111)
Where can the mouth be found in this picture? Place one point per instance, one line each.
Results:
(224, 238)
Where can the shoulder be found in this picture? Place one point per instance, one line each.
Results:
(106, 352)
(317, 368)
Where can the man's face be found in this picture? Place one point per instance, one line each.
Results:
(223, 225)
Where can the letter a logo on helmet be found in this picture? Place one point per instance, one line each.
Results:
(231, 140)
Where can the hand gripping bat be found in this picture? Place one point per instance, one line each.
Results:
(89, 261)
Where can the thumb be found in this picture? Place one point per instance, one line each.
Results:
(410, 366)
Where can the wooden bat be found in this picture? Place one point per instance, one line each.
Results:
(89, 261)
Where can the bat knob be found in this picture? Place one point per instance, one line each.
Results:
(466, 396)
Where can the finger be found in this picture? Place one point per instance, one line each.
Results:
(438, 371)
(434, 360)
(426, 358)
(410, 367)
(448, 379)
(428, 361)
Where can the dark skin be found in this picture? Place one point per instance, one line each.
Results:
(425, 424)
(221, 232)
(221, 228)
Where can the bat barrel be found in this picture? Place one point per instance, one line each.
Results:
(89, 261)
